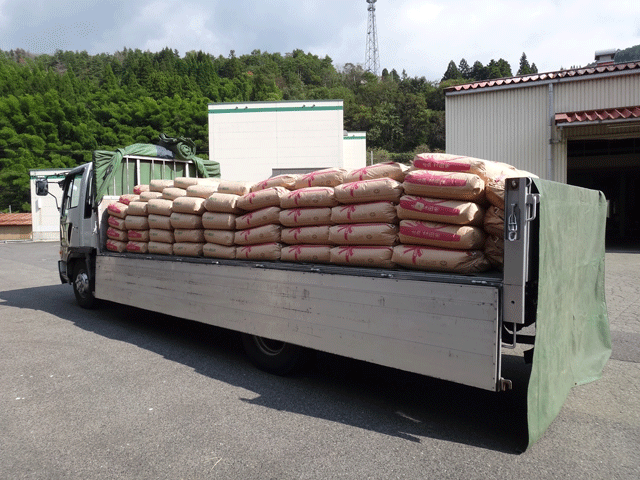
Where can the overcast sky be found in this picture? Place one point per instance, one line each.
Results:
(419, 36)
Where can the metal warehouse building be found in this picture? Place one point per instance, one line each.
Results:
(577, 126)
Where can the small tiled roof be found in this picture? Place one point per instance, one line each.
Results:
(540, 77)
(14, 219)
(605, 114)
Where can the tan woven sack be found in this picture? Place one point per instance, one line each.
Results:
(300, 217)
(314, 235)
(306, 253)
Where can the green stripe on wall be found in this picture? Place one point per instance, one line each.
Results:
(355, 138)
(272, 109)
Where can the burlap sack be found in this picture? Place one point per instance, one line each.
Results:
(374, 212)
(188, 249)
(185, 221)
(192, 205)
(160, 206)
(314, 235)
(202, 190)
(444, 162)
(364, 191)
(370, 256)
(148, 195)
(257, 235)
(137, 247)
(184, 182)
(265, 251)
(440, 259)
(127, 198)
(138, 235)
(213, 250)
(173, 193)
(160, 185)
(189, 235)
(495, 187)
(219, 221)
(116, 245)
(116, 222)
(268, 197)
(116, 234)
(494, 251)
(458, 186)
(309, 197)
(234, 188)
(136, 222)
(306, 253)
(300, 217)
(220, 237)
(161, 235)
(160, 222)
(287, 180)
(328, 177)
(460, 237)
(364, 234)
(439, 210)
(160, 248)
(138, 189)
(118, 209)
(222, 203)
(494, 221)
(258, 218)
(393, 170)
(138, 208)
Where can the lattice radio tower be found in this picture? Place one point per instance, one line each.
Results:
(372, 58)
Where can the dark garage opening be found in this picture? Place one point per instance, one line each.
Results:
(612, 166)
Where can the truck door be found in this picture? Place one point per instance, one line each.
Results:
(70, 213)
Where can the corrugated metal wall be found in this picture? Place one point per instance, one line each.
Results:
(508, 126)
(606, 92)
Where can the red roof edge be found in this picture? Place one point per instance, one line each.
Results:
(538, 77)
(605, 114)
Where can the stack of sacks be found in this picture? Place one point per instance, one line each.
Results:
(258, 232)
(117, 230)
(159, 211)
(136, 223)
(306, 216)
(219, 219)
(365, 222)
(442, 215)
(443, 222)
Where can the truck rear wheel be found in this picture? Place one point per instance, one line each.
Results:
(82, 286)
(273, 356)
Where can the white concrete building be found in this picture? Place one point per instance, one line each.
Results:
(256, 140)
(45, 216)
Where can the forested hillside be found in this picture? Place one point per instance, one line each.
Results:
(56, 109)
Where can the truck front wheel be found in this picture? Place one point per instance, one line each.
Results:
(273, 356)
(82, 286)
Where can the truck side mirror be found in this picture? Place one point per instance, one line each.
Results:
(42, 188)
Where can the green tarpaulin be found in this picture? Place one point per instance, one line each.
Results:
(572, 342)
(108, 165)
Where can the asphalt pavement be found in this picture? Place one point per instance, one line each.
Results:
(120, 393)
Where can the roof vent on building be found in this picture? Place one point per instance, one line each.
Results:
(605, 57)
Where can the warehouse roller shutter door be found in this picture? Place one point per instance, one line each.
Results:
(612, 166)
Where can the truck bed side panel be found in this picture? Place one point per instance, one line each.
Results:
(447, 331)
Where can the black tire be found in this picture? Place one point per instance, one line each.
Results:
(272, 356)
(83, 286)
